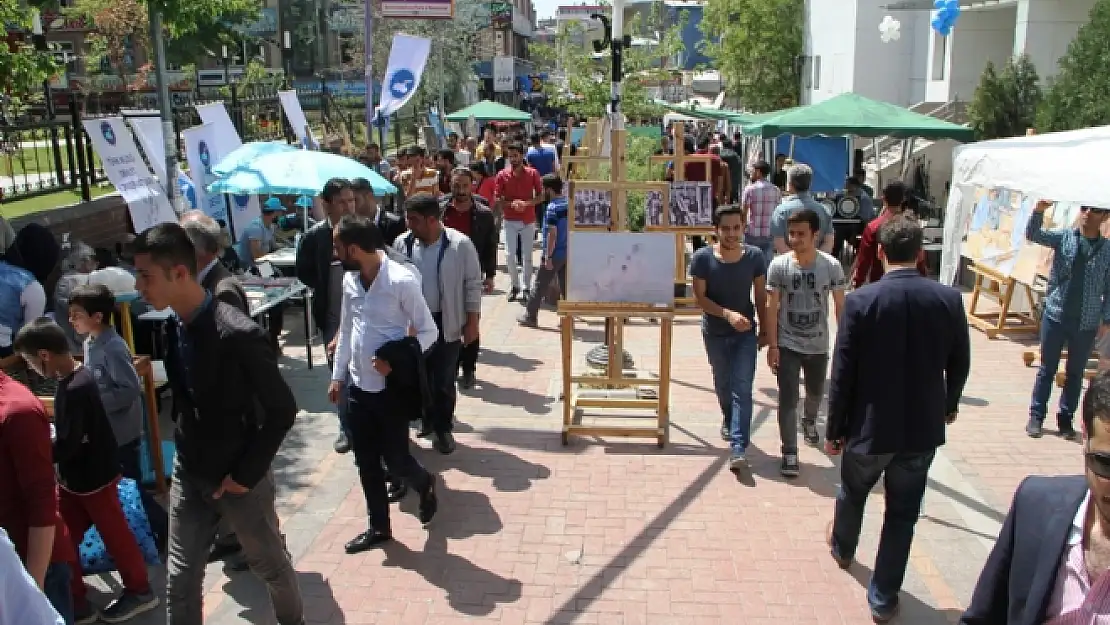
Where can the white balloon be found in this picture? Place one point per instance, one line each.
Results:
(889, 29)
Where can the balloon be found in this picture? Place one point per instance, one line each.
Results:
(938, 4)
(953, 6)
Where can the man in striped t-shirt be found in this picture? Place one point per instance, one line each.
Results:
(419, 178)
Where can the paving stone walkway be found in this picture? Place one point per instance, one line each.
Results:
(616, 531)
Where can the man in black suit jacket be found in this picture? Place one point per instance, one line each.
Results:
(216, 278)
(366, 205)
(234, 410)
(317, 267)
(1056, 526)
(901, 361)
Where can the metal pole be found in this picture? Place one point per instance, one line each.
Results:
(617, 49)
(442, 80)
(165, 104)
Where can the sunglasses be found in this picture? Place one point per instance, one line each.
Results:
(1099, 463)
(1092, 209)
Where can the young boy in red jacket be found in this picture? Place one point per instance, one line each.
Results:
(85, 453)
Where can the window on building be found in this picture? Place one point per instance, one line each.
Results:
(807, 72)
(940, 54)
(817, 72)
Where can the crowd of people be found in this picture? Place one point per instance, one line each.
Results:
(398, 284)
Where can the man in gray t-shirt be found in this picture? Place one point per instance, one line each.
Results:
(800, 284)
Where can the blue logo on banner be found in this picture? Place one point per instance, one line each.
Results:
(241, 202)
(401, 83)
(205, 156)
(109, 134)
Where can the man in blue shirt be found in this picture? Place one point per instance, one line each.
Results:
(799, 177)
(1076, 310)
(542, 158)
(257, 239)
(554, 262)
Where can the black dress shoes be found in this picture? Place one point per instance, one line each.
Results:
(397, 491)
(366, 541)
(443, 442)
(429, 503)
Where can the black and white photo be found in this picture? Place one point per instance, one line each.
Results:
(592, 207)
(653, 208)
(691, 205)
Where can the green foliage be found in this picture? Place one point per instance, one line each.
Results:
(22, 68)
(1079, 96)
(587, 78)
(637, 169)
(1005, 104)
(755, 44)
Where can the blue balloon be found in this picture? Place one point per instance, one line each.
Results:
(952, 5)
(938, 4)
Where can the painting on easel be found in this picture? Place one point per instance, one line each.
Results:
(592, 208)
(691, 207)
(621, 267)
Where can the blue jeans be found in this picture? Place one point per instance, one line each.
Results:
(330, 331)
(1054, 336)
(905, 477)
(57, 591)
(732, 359)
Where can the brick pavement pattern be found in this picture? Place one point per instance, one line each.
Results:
(614, 532)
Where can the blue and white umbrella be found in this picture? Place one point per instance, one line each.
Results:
(296, 172)
(248, 153)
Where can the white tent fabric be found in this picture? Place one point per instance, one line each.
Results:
(1059, 166)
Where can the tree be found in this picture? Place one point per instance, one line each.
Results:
(1078, 96)
(192, 28)
(586, 89)
(22, 68)
(1005, 104)
(756, 45)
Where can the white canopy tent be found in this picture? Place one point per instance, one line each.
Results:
(1059, 166)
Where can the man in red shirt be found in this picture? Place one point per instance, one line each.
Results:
(868, 266)
(518, 190)
(29, 494)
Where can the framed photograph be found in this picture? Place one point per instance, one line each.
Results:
(590, 207)
(621, 267)
(690, 208)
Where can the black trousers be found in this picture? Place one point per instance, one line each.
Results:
(378, 437)
(468, 357)
(442, 364)
(276, 322)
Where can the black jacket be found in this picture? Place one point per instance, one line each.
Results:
(233, 406)
(1019, 576)
(916, 330)
(85, 448)
(225, 287)
(483, 233)
(407, 386)
(391, 226)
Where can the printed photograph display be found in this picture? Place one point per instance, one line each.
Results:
(691, 206)
(624, 267)
(592, 207)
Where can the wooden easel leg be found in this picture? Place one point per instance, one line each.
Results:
(666, 334)
(1007, 296)
(566, 326)
(154, 434)
(973, 304)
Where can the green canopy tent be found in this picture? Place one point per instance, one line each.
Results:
(849, 114)
(488, 111)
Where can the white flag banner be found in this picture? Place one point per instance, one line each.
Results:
(291, 105)
(407, 59)
(245, 208)
(186, 190)
(201, 154)
(124, 166)
(148, 130)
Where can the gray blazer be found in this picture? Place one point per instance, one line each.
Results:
(460, 280)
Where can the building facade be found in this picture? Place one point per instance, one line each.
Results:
(845, 53)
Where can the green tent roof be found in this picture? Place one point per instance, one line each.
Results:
(488, 111)
(735, 117)
(849, 114)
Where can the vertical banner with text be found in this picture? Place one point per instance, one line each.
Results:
(244, 208)
(201, 154)
(124, 166)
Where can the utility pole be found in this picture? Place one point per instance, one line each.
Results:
(169, 138)
(617, 45)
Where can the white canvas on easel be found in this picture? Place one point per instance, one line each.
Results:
(621, 267)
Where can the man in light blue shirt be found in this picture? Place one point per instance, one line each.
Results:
(257, 239)
(21, 601)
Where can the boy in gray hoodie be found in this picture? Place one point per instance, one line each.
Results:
(110, 361)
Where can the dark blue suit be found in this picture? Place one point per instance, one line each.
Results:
(1017, 581)
(901, 360)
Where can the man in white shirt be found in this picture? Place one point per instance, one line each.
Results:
(382, 300)
(21, 600)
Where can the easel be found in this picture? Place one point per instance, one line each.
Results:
(685, 304)
(1000, 288)
(615, 314)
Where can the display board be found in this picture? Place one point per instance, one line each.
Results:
(995, 235)
(621, 267)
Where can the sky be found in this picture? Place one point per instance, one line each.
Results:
(546, 8)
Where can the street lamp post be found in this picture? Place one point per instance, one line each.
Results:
(227, 66)
(287, 57)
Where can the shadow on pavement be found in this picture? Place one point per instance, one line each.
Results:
(911, 610)
(250, 593)
(507, 472)
(532, 403)
(470, 589)
(507, 360)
